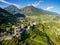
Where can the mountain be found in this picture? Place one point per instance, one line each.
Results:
(6, 17)
(12, 9)
(31, 10)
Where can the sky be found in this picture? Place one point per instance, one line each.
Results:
(49, 5)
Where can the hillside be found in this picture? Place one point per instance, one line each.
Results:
(30, 10)
(6, 17)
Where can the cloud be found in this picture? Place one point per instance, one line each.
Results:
(1, 0)
(10, 3)
(49, 8)
(35, 3)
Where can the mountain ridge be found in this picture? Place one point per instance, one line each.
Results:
(40, 11)
(12, 9)
(29, 10)
(6, 17)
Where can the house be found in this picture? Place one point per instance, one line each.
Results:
(20, 17)
(1, 34)
(16, 30)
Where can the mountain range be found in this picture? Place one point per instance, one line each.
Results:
(7, 14)
(29, 10)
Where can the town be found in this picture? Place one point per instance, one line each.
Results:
(17, 31)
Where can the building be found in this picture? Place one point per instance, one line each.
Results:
(16, 31)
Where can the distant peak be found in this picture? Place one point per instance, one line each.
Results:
(13, 6)
(31, 6)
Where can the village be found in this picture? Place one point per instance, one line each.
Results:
(17, 31)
